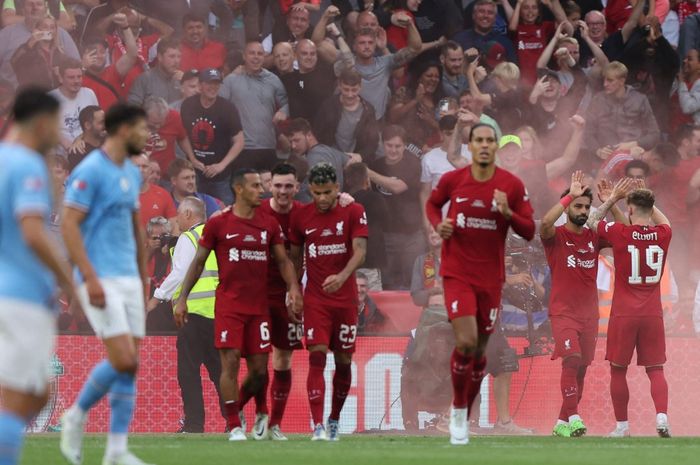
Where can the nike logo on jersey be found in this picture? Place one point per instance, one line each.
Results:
(461, 199)
(570, 244)
(265, 345)
(347, 346)
(309, 231)
(231, 236)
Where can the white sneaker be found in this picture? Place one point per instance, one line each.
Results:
(459, 427)
(237, 434)
(72, 430)
(662, 428)
(620, 432)
(244, 424)
(319, 433)
(260, 426)
(276, 434)
(127, 458)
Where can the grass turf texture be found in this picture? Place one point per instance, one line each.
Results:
(384, 450)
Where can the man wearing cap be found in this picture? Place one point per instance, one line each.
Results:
(110, 83)
(483, 33)
(214, 128)
(189, 86)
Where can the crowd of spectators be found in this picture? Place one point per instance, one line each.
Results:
(384, 90)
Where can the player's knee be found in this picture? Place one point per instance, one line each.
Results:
(654, 368)
(342, 358)
(282, 361)
(230, 363)
(465, 343)
(618, 368)
(126, 363)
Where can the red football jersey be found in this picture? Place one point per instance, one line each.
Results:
(573, 261)
(475, 252)
(327, 239)
(640, 254)
(242, 249)
(276, 287)
(530, 40)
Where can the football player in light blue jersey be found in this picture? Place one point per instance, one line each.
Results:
(30, 267)
(102, 233)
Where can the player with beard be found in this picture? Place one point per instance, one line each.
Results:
(572, 253)
(335, 243)
(102, 233)
(484, 202)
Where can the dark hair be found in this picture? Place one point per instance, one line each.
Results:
(355, 175)
(570, 7)
(238, 178)
(684, 131)
(322, 173)
(365, 31)
(165, 44)
(69, 63)
(92, 42)
(393, 130)
(643, 199)
(87, 114)
(179, 165)
(298, 125)
(449, 45)
(416, 70)
(587, 193)
(360, 275)
(637, 164)
(121, 114)
(193, 18)
(32, 102)
(283, 169)
(447, 123)
(668, 153)
(481, 125)
(189, 74)
(350, 77)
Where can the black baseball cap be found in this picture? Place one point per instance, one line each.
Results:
(210, 74)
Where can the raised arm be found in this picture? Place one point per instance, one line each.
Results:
(633, 21)
(622, 187)
(514, 17)
(128, 59)
(319, 32)
(548, 51)
(605, 189)
(474, 86)
(508, 9)
(558, 166)
(659, 218)
(556, 9)
(601, 58)
(547, 229)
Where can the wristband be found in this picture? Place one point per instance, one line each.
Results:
(566, 201)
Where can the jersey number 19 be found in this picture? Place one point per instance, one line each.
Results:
(654, 260)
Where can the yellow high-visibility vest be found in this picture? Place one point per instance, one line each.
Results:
(202, 296)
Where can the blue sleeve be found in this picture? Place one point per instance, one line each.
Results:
(31, 189)
(81, 187)
(211, 205)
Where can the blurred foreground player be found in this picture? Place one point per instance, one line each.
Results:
(572, 254)
(334, 239)
(30, 268)
(102, 232)
(636, 316)
(244, 240)
(484, 201)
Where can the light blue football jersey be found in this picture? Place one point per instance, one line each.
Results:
(109, 195)
(24, 189)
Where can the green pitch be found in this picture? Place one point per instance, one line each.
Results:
(384, 450)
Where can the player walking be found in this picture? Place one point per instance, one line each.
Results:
(484, 201)
(335, 243)
(572, 253)
(243, 240)
(636, 315)
(101, 230)
(30, 267)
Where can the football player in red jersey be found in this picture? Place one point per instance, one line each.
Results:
(334, 240)
(640, 249)
(243, 240)
(484, 202)
(572, 253)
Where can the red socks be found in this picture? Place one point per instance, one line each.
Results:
(619, 392)
(659, 388)
(461, 367)
(580, 378)
(569, 387)
(474, 387)
(231, 407)
(342, 380)
(279, 392)
(316, 385)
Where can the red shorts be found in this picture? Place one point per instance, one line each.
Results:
(645, 333)
(572, 336)
(285, 334)
(463, 299)
(335, 327)
(248, 333)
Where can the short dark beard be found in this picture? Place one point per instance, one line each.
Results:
(578, 220)
(131, 149)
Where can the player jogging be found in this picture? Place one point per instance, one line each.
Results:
(636, 316)
(101, 230)
(335, 243)
(484, 201)
(30, 267)
(572, 253)
(243, 240)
